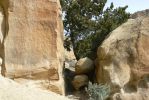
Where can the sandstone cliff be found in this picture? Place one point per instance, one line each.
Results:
(31, 44)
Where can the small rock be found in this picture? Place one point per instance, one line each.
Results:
(84, 65)
(70, 65)
(80, 81)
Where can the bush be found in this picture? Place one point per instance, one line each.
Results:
(98, 92)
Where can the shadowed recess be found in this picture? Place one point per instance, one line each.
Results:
(4, 31)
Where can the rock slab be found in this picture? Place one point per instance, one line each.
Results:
(32, 42)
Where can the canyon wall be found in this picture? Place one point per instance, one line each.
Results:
(31, 45)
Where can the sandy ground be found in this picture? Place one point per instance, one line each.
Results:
(10, 90)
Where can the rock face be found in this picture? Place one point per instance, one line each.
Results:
(84, 66)
(123, 60)
(140, 14)
(32, 42)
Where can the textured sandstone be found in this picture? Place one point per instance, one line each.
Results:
(123, 59)
(33, 47)
(10, 90)
(69, 55)
(140, 14)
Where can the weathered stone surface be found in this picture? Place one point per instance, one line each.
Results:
(10, 90)
(123, 58)
(69, 55)
(33, 35)
(140, 14)
(84, 65)
(70, 60)
(80, 81)
(141, 95)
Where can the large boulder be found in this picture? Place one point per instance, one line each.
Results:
(123, 58)
(84, 66)
(32, 42)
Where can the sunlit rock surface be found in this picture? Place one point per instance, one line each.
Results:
(32, 42)
(123, 60)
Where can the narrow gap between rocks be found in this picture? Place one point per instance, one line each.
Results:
(4, 4)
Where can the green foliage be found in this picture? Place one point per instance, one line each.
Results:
(98, 92)
(87, 24)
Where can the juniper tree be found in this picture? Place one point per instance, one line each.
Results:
(88, 22)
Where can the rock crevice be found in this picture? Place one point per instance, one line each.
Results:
(4, 4)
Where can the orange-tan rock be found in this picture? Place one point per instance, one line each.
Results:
(123, 59)
(10, 90)
(32, 42)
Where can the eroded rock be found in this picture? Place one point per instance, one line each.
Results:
(123, 59)
(33, 48)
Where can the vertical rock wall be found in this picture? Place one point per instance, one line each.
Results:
(33, 43)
